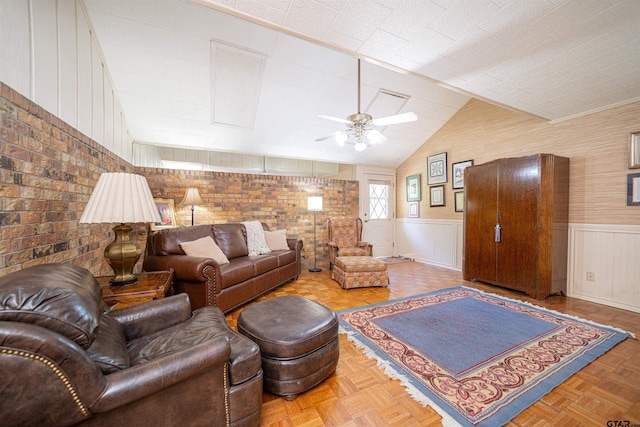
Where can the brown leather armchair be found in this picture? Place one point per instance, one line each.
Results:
(345, 239)
(66, 360)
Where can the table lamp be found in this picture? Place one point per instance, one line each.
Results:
(121, 198)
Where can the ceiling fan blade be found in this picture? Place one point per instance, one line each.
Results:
(335, 119)
(376, 137)
(329, 136)
(392, 120)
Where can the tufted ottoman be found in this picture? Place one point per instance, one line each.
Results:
(298, 340)
(359, 272)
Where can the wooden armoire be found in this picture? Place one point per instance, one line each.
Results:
(516, 218)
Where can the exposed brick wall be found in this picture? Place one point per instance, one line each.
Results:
(49, 169)
(47, 172)
(278, 201)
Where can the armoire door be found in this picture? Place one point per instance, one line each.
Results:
(518, 199)
(480, 219)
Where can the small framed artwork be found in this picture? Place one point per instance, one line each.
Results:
(437, 169)
(634, 150)
(457, 173)
(167, 214)
(633, 189)
(437, 195)
(414, 210)
(459, 201)
(413, 188)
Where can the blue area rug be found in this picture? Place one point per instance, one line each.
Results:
(477, 359)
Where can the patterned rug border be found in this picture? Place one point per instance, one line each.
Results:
(388, 367)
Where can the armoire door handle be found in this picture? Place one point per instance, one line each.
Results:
(497, 236)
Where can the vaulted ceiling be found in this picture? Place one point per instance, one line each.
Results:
(252, 76)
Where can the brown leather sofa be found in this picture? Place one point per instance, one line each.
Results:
(225, 286)
(66, 360)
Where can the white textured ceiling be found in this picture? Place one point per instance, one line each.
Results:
(552, 58)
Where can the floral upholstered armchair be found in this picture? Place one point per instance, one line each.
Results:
(345, 239)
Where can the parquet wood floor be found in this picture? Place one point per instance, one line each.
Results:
(360, 394)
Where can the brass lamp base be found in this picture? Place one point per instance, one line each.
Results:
(122, 255)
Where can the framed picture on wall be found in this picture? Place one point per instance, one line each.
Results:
(437, 169)
(459, 201)
(633, 189)
(437, 195)
(634, 150)
(457, 173)
(413, 188)
(414, 210)
(167, 214)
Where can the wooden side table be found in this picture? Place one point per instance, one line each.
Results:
(150, 285)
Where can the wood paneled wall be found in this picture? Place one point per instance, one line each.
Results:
(597, 145)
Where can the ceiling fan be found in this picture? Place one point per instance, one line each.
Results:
(361, 125)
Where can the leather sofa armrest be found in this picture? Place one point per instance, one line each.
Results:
(142, 380)
(295, 244)
(144, 319)
(185, 268)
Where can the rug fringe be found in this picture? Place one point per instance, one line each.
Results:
(414, 393)
(628, 333)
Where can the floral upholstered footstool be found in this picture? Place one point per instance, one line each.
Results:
(359, 272)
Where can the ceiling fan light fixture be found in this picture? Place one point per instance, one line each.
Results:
(361, 125)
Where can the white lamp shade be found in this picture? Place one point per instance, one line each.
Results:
(120, 198)
(314, 203)
(192, 197)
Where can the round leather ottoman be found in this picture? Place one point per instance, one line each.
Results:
(298, 340)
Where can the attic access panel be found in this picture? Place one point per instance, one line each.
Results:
(236, 81)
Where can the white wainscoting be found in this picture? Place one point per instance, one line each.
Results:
(611, 252)
(436, 242)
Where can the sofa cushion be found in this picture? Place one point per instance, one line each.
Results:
(167, 242)
(231, 238)
(61, 297)
(285, 257)
(205, 248)
(239, 270)
(109, 348)
(264, 263)
(276, 240)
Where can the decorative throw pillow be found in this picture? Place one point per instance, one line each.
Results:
(205, 248)
(276, 240)
(255, 238)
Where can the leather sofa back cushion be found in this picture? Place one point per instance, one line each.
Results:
(109, 348)
(61, 297)
(167, 242)
(232, 239)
